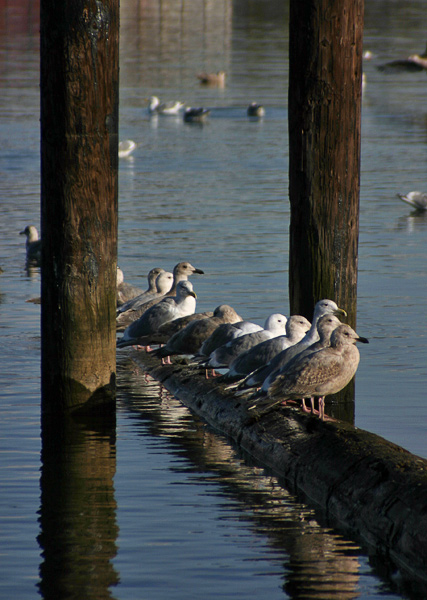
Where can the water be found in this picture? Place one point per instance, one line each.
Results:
(168, 509)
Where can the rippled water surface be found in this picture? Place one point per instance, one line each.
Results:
(162, 507)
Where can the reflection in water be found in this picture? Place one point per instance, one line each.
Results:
(77, 512)
(314, 562)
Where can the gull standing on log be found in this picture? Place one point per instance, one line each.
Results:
(263, 376)
(318, 374)
(168, 309)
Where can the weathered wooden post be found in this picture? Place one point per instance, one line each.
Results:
(79, 160)
(325, 87)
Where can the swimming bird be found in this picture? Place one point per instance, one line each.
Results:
(318, 374)
(274, 325)
(126, 148)
(416, 199)
(414, 62)
(156, 286)
(182, 271)
(258, 356)
(168, 309)
(32, 244)
(189, 339)
(212, 79)
(263, 376)
(171, 108)
(196, 115)
(255, 110)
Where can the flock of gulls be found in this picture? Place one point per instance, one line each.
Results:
(190, 114)
(287, 360)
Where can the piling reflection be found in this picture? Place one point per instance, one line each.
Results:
(78, 528)
(315, 562)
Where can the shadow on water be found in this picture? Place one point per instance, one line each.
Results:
(78, 528)
(313, 560)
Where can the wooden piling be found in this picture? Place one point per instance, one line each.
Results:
(325, 86)
(79, 186)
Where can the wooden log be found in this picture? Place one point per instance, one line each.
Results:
(79, 191)
(324, 108)
(372, 489)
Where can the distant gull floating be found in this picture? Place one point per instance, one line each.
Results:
(126, 148)
(168, 309)
(196, 115)
(212, 79)
(255, 110)
(171, 108)
(318, 374)
(417, 200)
(33, 245)
(415, 62)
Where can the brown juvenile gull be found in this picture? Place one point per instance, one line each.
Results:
(157, 286)
(223, 356)
(417, 200)
(189, 339)
(254, 358)
(318, 374)
(258, 377)
(212, 79)
(168, 309)
(127, 292)
(181, 272)
(32, 244)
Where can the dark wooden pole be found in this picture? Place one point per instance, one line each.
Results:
(325, 61)
(79, 162)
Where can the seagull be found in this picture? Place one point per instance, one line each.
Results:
(155, 107)
(223, 334)
(196, 115)
(258, 356)
(33, 244)
(416, 199)
(414, 62)
(125, 291)
(182, 271)
(154, 285)
(318, 374)
(255, 110)
(260, 376)
(212, 79)
(168, 309)
(223, 356)
(189, 339)
(126, 148)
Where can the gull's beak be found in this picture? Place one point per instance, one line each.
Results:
(363, 340)
(199, 271)
(340, 312)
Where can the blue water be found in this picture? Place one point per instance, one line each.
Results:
(173, 511)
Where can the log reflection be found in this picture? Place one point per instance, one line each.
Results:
(78, 510)
(316, 563)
